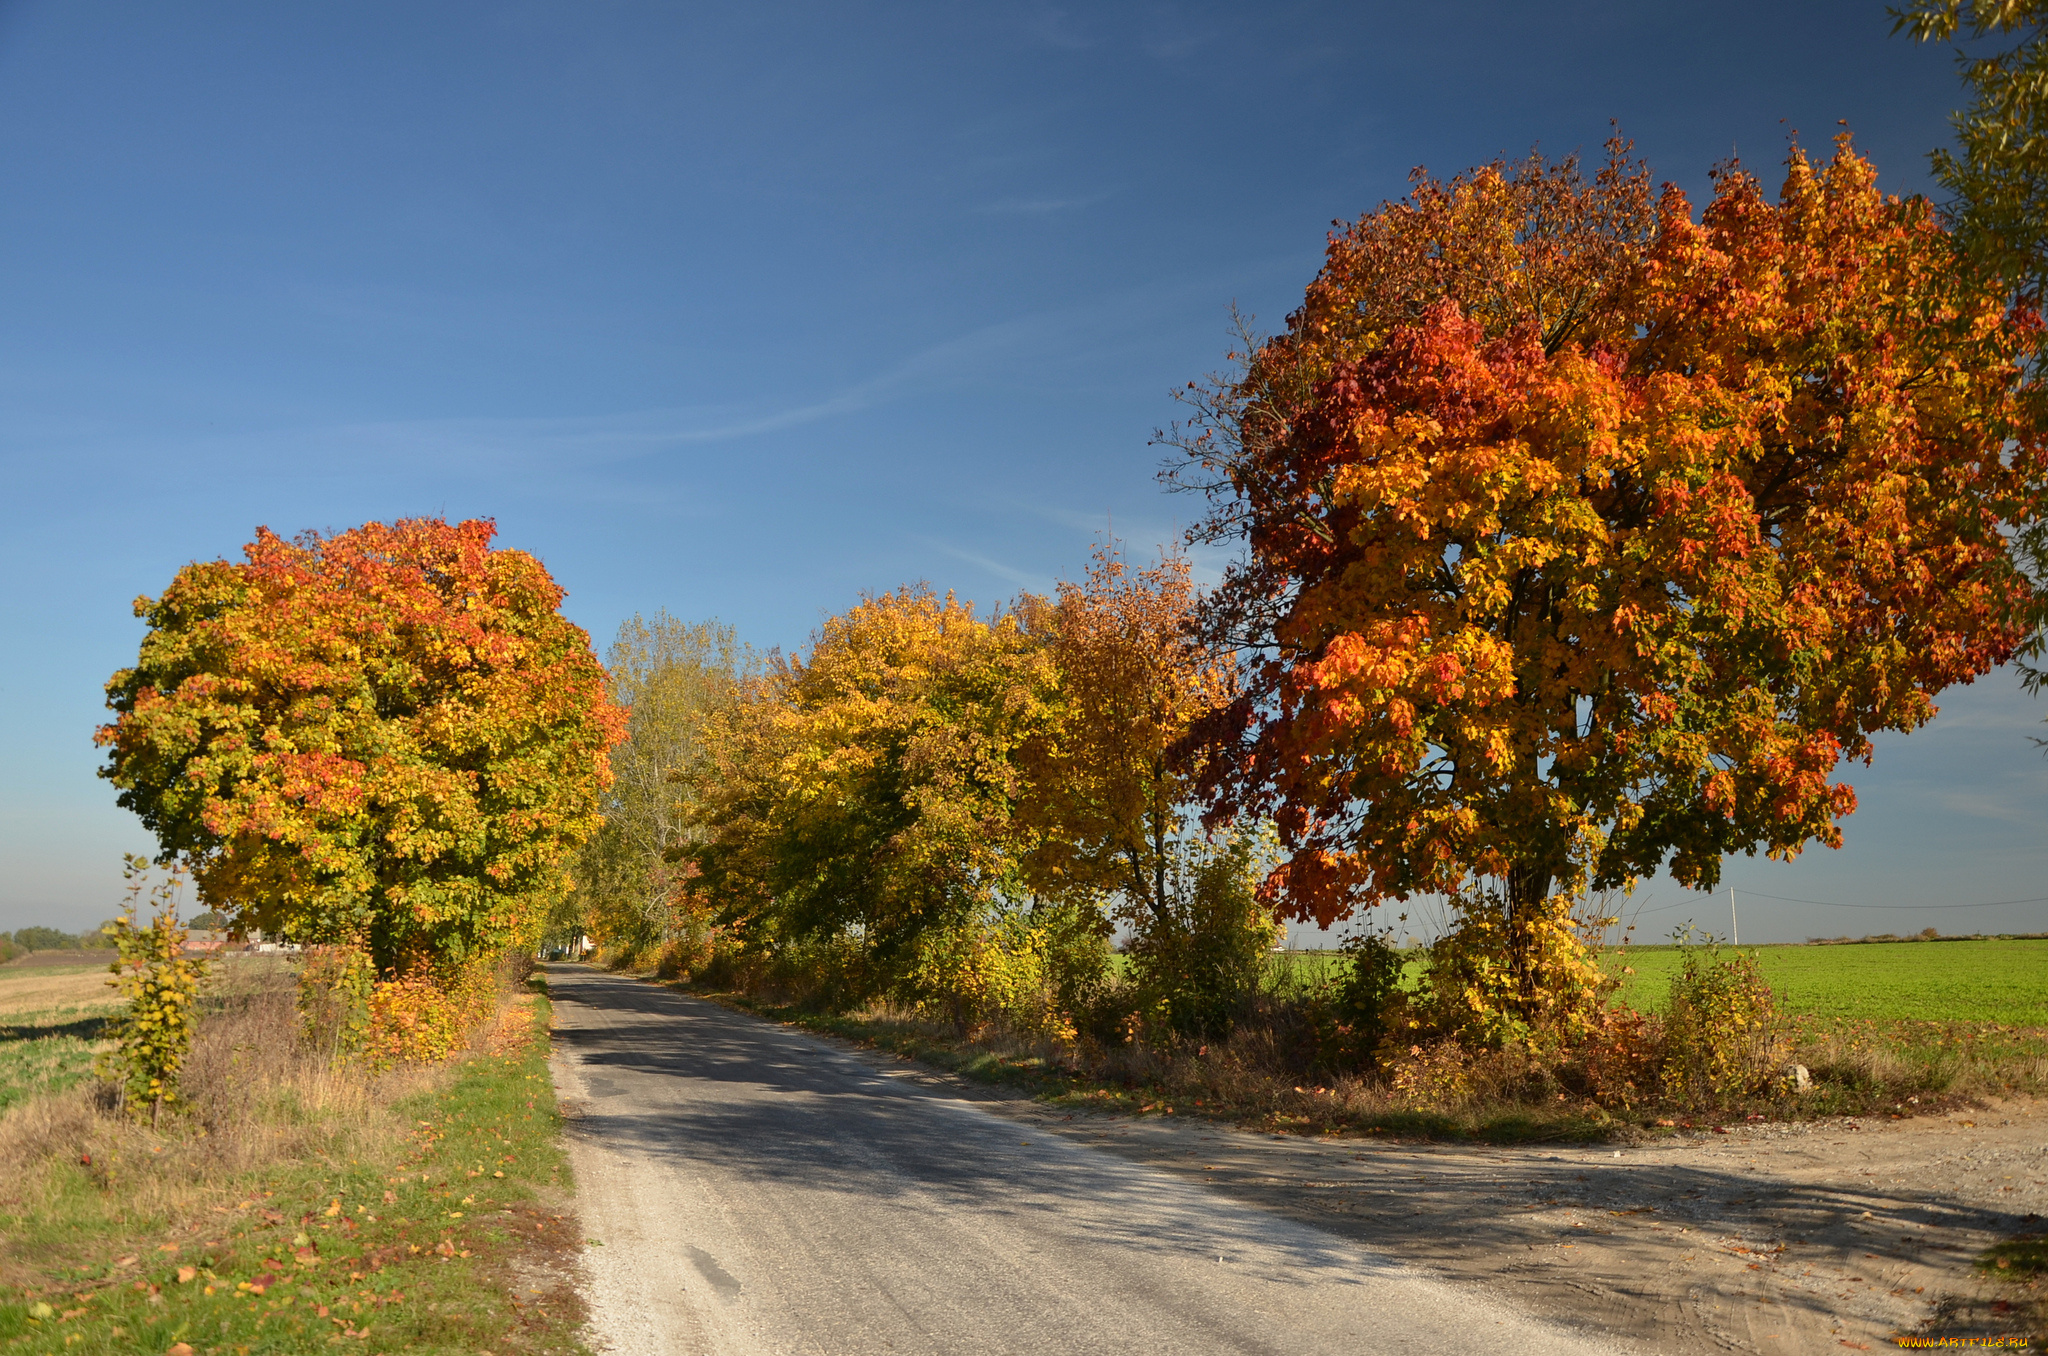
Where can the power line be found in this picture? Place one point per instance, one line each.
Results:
(1834, 904)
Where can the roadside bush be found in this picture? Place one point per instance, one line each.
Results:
(424, 1017)
(1002, 968)
(692, 942)
(335, 987)
(1493, 980)
(1616, 1060)
(1198, 957)
(1369, 1000)
(1433, 1077)
(1720, 1026)
(823, 974)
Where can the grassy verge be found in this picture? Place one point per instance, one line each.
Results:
(423, 1213)
(1269, 1074)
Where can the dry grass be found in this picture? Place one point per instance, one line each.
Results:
(224, 1227)
(1272, 1072)
(254, 1096)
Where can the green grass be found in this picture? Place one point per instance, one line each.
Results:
(1995, 982)
(412, 1254)
(48, 1051)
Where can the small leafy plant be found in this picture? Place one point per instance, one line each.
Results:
(1721, 1026)
(161, 985)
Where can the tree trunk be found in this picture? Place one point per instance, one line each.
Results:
(1528, 887)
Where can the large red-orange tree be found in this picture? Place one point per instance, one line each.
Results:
(1583, 536)
(388, 738)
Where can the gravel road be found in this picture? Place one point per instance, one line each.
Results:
(747, 1188)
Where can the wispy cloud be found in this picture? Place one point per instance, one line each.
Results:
(1979, 805)
(1036, 583)
(1041, 207)
(1058, 28)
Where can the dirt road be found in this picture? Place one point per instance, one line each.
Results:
(751, 1189)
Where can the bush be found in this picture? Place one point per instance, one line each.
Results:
(1369, 997)
(335, 986)
(1720, 1027)
(161, 984)
(1496, 980)
(1433, 1077)
(1198, 960)
(690, 946)
(1615, 1060)
(421, 1019)
(1006, 968)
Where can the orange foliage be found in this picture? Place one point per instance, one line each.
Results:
(389, 737)
(1585, 536)
(1103, 797)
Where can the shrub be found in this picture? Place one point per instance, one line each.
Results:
(161, 985)
(1199, 955)
(692, 942)
(1369, 998)
(425, 1016)
(1720, 1027)
(1615, 1061)
(1497, 979)
(1432, 1077)
(336, 984)
(1007, 967)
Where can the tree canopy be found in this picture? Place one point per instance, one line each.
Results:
(388, 737)
(671, 678)
(866, 788)
(1997, 173)
(1996, 177)
(1583, 536)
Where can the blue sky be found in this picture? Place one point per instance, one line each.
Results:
(741, 310)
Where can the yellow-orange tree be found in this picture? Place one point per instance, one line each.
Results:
(387, 738)
(1106, 803)
(1583, 536)
(863, 795)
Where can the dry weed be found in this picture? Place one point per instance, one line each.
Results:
(255, 1094)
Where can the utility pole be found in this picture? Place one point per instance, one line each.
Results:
(1734, 928)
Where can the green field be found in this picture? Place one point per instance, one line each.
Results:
(1999, 982)
(52, 1024)
(46, 1051)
